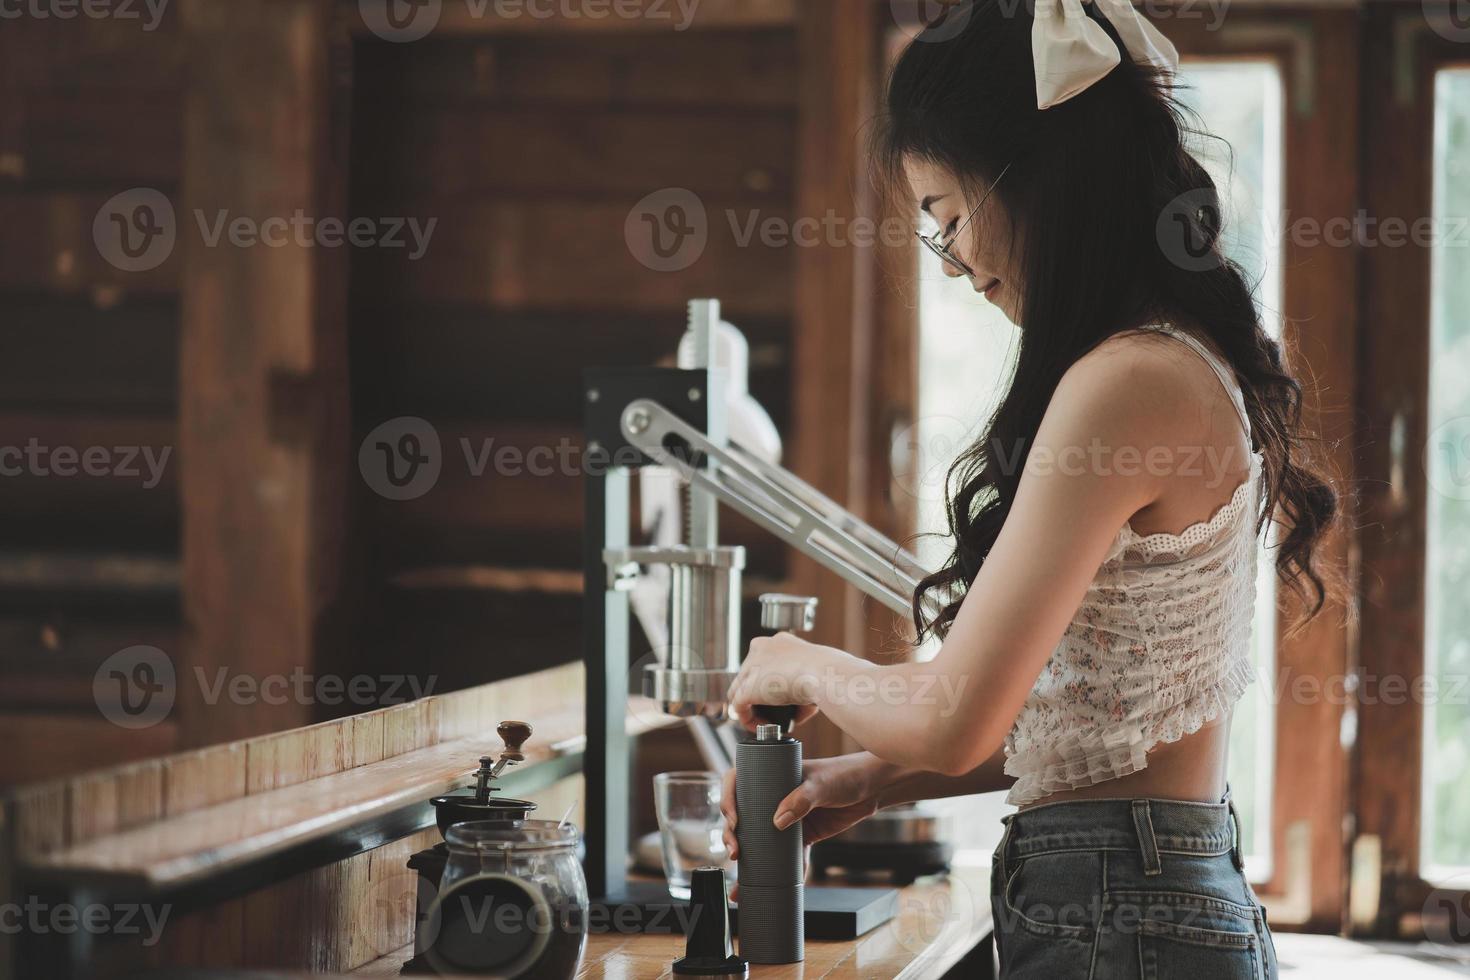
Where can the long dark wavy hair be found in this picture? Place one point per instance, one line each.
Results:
(1119, 226)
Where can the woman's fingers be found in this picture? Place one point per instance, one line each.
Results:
(744, 715)
(727, 808)
(727, 796)
(797, 804)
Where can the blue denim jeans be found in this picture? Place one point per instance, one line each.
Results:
(1114, 889)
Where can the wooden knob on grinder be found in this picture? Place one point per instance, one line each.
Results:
(514, 735)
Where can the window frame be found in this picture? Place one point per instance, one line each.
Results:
(1403, 58)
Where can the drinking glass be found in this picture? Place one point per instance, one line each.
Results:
(690, 826)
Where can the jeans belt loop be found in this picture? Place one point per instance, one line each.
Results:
(1148, 844)
(1237, 853)
(1005, 843)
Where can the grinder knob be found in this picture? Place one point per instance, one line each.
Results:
(796, 613)
(781, 716)
(514, 735)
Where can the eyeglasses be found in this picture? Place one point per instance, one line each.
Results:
(942, 248)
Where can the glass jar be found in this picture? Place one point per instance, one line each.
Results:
(512, 902)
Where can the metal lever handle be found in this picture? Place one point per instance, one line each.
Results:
(796, 613)
(779, 502)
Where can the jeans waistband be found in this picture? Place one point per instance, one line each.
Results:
(1152, 827)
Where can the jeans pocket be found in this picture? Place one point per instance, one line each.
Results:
(1193, 936)
(1046, 915)
(1055, 895)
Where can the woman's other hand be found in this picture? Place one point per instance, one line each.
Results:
(834, 794)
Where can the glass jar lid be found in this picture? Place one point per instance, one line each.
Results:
(522, 835)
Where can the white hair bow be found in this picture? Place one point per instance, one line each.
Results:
(1072, 51)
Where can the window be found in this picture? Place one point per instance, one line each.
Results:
(1241, 102)
(1445, 847)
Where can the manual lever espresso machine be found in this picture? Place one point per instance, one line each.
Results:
(675, 419)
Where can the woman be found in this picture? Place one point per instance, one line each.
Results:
(1096, 610)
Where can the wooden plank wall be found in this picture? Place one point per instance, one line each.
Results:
(89, 108)
(531, 150)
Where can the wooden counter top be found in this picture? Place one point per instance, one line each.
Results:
(939, 922)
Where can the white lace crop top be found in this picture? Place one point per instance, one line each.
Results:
(1159, 647)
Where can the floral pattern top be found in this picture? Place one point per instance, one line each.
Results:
(1158, 648)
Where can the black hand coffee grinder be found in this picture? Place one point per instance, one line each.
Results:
(767, 770)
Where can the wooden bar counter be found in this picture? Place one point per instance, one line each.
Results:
(943, 929)
(287, 854)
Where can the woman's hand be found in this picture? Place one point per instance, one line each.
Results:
(781, 670)
(834, 794)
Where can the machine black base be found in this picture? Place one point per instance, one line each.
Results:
(831, 913)
(899, 863)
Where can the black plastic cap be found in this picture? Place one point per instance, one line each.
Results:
(708, 951)
(777, 714)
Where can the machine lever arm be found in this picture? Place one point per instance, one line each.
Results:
(781, 503)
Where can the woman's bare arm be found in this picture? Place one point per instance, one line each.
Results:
(912, 785)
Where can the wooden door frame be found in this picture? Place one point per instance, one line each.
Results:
(264, 420)
(1403, 54)
(832, 328)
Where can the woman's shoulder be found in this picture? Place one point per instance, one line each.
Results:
(1157, 354)
(1147, 382)
(1146, 395)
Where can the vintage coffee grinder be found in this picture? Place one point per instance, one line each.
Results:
(478, 803)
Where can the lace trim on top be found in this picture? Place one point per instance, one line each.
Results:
(1163, 546)
(1158, 648)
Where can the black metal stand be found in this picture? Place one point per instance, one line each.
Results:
(618, 904)
(610, 463)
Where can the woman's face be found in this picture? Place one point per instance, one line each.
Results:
(984, 245)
